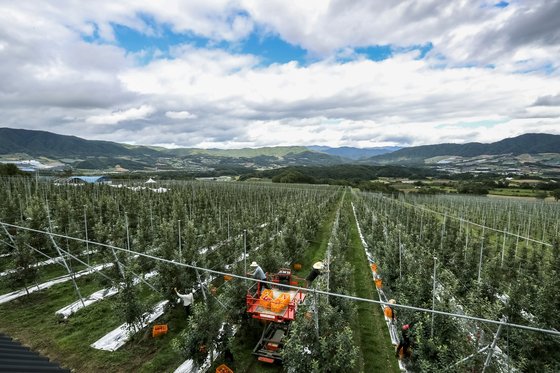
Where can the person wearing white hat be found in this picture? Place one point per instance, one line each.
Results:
(389, 311)
(258, 274)
(187, 299)
(316, 271)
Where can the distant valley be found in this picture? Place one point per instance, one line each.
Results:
(525, 154)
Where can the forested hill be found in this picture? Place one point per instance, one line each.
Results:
(19, 144)
(275, 151)
(47, 144)
(341, 174)
(352, 153)
(531, 143)
(78, 153)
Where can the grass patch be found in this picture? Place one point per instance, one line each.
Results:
(370, 329)
(250, 333)
(5, 263)
(245, 340)
(513, 192)
(32, 321)
(318, 247)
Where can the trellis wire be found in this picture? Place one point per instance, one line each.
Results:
(350, 297)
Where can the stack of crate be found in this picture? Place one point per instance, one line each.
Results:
(159, 330)
(266, 297)
(278, 304)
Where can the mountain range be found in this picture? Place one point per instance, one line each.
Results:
(530, 143)
(50, 148)
(353, 153)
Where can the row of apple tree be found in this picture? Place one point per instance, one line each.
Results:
(478, 271)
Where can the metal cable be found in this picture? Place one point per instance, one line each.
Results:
(350, 297)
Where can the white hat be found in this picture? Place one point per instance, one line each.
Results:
(392, 301)
(318, 265)
(254, 264)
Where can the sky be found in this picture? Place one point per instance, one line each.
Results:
(253, 73)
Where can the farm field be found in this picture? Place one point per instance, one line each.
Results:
(496, 259)
(493, 258)
(280, 186)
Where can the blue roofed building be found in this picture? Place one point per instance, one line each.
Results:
(88, 180)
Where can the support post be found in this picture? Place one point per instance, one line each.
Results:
(180, 248)
(400, 257)
(201, 284)
(421, 224)
(127, 236)
(127, 233)
(517, 239)
(466, 241)
(151, 219)
(442, 233)
(70, 272)
(481, 250)
(433, 298)
(86, 228)
(503, 249)
(119, 264)
(316, 306)
(492, 347)
(528, 232)
(245, 252)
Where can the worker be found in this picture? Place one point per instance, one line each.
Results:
(259, 274)
(187, 300)
(316, 271)
(404, 342)
(389, 311)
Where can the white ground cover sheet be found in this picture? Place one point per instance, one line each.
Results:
(41, 264)
(117, 338)
(20, 293)
(95, 297)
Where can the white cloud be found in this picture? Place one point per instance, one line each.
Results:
(121, 116)
(461, 32)
(215, 19)
(180, 115)
(325, 26)
(53, 79)
(357, 103)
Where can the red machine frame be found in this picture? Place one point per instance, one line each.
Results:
(283, 277)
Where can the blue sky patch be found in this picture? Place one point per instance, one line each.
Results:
(163, 39)
(93, 37)
(376, 52)
(423, 49)
(501, 4)
(158, 40)
(271, 49)
(383, 52)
